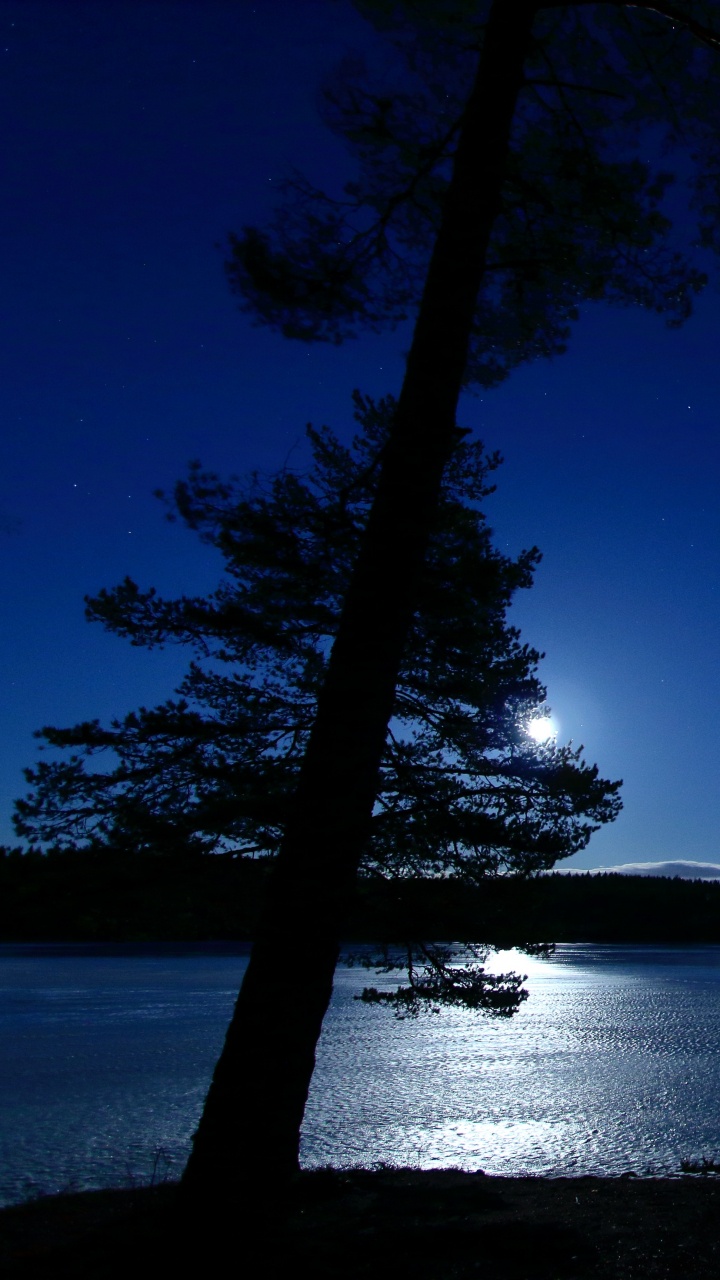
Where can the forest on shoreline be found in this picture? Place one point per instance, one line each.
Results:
(87, 897)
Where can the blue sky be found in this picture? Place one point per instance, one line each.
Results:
(136, 137)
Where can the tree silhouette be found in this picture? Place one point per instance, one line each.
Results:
(522, 190)
(464, 790)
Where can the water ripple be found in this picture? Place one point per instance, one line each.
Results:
(610, 1065)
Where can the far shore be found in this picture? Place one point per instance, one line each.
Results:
(84, 897)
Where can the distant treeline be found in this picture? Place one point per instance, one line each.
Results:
(87, 897)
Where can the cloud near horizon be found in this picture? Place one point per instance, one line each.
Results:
(682, 868)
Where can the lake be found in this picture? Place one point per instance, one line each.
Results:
(612, 1064)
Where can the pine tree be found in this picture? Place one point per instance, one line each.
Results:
(508, 186)
(464, 790)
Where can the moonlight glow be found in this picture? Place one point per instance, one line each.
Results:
(542, 730)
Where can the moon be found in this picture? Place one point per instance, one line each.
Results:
(541, 730)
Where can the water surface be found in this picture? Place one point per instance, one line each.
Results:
(612, 1064)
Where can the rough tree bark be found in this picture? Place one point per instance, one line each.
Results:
(250, 1127)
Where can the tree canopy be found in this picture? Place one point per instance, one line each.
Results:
(464, 789)
(610, 94)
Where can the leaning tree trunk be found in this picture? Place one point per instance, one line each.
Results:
(250, 1127)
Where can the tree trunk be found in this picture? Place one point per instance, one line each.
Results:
(250, 1128)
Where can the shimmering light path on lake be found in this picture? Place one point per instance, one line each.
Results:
(612, 1064)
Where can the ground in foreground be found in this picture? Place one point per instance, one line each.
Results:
(441, 1225)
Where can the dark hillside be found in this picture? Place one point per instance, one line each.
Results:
(85, 897)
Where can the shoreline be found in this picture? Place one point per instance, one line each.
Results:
(88, 898)
(441, 1225)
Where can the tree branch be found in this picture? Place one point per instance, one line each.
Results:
(704, 34)
(568, 84)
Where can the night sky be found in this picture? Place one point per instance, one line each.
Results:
(135, 137)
